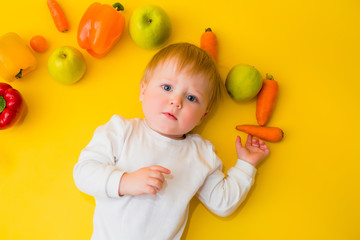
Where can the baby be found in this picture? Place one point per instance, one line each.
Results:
(144, 172)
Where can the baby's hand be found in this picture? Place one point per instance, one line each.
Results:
(253, 152)
(146, 180)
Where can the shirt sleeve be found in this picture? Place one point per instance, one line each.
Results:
(95, 173)
(222, 195)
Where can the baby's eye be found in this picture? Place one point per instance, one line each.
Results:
(166, 87)
(191, 98)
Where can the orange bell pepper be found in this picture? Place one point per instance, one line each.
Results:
(100, 28)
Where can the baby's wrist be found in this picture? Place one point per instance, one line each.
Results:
(254, 163)
(246, 168)
(122, 188)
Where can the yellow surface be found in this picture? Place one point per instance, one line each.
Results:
(307, 189)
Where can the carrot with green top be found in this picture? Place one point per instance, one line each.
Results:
(266, 100)
(208, 42)
(270, 134)
(58, 16)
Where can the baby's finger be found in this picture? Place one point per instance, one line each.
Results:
(238, 143)
(255, 142)
(160, 169)
(238, 140)
(264, 147)
(155, 183)
(150, 190)
(158, 175)
(248, 140)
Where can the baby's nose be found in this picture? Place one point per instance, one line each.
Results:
(176, 101)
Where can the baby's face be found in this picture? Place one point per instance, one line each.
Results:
(174, 102)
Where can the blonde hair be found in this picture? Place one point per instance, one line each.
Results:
(192, 57)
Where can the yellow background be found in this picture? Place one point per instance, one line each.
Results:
(308, 188)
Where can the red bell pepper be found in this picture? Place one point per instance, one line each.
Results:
(12, 106)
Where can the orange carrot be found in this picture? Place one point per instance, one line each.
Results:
(209, 43)
(271, 134)
(266, 100)
(58, 16)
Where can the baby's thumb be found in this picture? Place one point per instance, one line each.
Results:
(238, 145)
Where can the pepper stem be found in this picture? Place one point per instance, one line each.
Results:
(118, 6)
(269, 77)
(19, 75)
(2, 104)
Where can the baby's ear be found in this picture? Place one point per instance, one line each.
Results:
(142, 90)
(205, 114)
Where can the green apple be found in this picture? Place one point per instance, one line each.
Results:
(243, 82)
(149, 26)
(66, 65)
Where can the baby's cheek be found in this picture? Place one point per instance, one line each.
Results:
(191, 119)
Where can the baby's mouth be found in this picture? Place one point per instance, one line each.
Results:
(170, 116)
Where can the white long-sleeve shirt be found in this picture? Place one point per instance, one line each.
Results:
(125, 145)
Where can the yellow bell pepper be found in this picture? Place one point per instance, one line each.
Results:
(16, 58)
